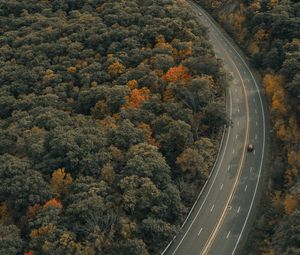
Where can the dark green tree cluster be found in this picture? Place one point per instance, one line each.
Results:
(110, 112)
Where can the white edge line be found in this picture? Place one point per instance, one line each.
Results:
(208, 178)
(263, 145)
(228, 235)
(263, 148)
(227, 138)
(264, 131)
(200, 231)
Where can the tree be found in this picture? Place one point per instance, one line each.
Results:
(116, 69)
(10, 240)
(290, 204)
(139, 194)
(287, 233)
(126, 135)
(145, 160)
(191, 163)
(80, 149)
(131, 247)
(215, 115)
(137, 97)
(173, 147)
(21, 186)
(60, 181)
(148, 133)
(156, 233)
(178, 74)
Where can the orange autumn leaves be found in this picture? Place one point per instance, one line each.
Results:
(178, 74)
(274, 89)
(59, 184)
(287, 130)
(137, 96)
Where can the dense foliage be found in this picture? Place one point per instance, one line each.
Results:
(110, 113)
(269, 30)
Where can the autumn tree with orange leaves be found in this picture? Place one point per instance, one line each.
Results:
(137, 97)
(178, 74)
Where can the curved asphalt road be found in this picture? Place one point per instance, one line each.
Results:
(218, 220)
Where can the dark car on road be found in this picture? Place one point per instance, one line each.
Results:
(250, 147)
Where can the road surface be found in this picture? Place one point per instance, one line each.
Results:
(219, 219)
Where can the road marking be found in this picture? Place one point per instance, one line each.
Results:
(256, 123)
(255, 111)
(251, 169)
(238, 210)
(228, 235)
(220, 221)
(211, 209)
(214, 179)
(246, 188)
(238, 123)
(254, 152)
(228, 168)
(263, 142)
(221, 187)
(255, 137)
(200, 231)
(236, 136)
(233, 151)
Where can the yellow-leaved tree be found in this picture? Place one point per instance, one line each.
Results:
(60, 181)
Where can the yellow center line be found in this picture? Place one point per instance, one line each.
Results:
(217, 226)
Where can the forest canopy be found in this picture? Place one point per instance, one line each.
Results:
(110, 113)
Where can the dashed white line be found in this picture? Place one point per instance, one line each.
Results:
(228, 235)
(233, 151)
(228, 168)
(236, 136)
(221, 186)
(251, 169)
(238, 210)
(211, 209)
(246, 188)
(256, 123)
(263, 148)
(238, 109)
(255, 137)
(255, 110)
(254, 152)
(200, 231)
(238, 123)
